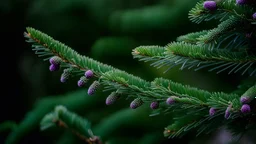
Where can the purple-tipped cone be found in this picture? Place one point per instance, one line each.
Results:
(65, 75)
(55, 60)
(82, 81)
(244, 99)
(136, 103)
(254, 16)
(154, 105)
(170, 101)
(63, 79)
(245, 108)
(93, 87)
(210, 5)
(227, 112)
(212, 111)
(53, 67)
(88, 74)
(112, 98)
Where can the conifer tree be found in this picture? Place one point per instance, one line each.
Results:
(229, 47)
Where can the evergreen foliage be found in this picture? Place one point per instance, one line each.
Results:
(225, 48)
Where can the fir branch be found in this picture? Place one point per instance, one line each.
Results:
(224, 27)
(74, 100)
(69, 120)
(194, 101)
(188, 56)
(49, 47)
(75, 60)
(204, 54)
(225, 9)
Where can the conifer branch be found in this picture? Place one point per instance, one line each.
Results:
(188, 56)
(167, 95)
(74, 100)
(224, 10)
(69, 120)
(228, 25)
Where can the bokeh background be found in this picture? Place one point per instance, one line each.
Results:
(107, 31)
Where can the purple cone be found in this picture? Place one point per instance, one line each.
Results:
(244, 99)
(154, 105)
(65, 75)
(88, 74)
(112, 98)
(53, 67)
(227, 112)
(55, 60)
(136, 103)
(93, 87)
(212, 111)
(82, 81)
(210, 5)
(63, 79)
(170, 101)
(245, 108)
(254, 16)
(241, 2)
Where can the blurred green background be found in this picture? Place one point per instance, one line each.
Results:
(107, 31)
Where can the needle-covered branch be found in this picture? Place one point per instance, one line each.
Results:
(69, 120)
(198, 57)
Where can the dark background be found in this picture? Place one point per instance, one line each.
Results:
(106, 30)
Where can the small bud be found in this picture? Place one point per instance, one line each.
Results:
(212, 111)
(82, 81)
(210, 5)
(136, 103)
(88, 74)
(245, 108)
(241, 2)
(112, 98)
(65, 75)
(154, 105)
(227, 112)
(55, 60)
(54, 67)
(170, 101)
(254, 16)
(93, 87)
(244, 99)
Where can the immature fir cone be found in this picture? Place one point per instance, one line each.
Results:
(54, 67)
(55, 60)
(170, 101)
(82, 81)
(88, 74)
(227, 112)
(212, 111)
(245, 108)
(93, 87)
(244, 99)
(210, 5)
(136, 103)
(65, 75)
(254, 16)
(112, 98)
(154, 105)
(241, 2)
